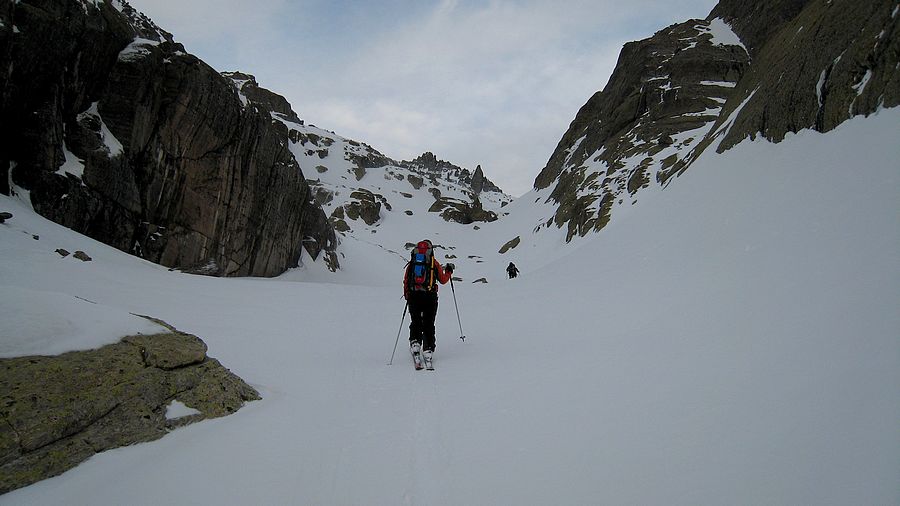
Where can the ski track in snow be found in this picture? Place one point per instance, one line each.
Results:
(429, 453)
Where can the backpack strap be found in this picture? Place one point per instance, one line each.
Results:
(420, 268)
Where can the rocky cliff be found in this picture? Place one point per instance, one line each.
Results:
(112, 129)
(750, 69)
(824, 63)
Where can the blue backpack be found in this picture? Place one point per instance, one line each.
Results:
(421, 268)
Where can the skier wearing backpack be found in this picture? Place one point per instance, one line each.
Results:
(420, 287)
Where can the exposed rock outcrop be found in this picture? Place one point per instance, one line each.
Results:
(511, 244)
(460, 211)
(429, 162)
(57, 411)
(433, 168)
(663, 92)
(756, 22)
(365, 206)
(252, 92)
(121, 135)
(751, 68)
(829, 61)
(477, 180)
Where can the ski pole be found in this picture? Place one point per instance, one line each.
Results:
(398, 333)
(461, 335)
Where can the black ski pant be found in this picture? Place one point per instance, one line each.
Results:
(422, 310)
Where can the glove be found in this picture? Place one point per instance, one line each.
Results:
(449, 268)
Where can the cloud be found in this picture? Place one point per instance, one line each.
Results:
(222, 32)
(494, 85)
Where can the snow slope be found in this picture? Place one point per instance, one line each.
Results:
(731, 340)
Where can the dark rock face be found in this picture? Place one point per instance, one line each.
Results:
(247, 86)
(415, 181)
(663, 88)
(829, 62)
(481, 183)
(433, 168)
(478, 180)
(171, 162)
(756, 21)
(58, 411)
(511, 244)
(807, 64)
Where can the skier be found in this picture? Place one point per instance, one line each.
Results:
(512, 270)
(420, 292)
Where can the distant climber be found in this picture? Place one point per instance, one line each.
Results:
(420, 290)
(512, 270)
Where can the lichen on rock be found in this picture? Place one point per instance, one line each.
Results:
(57, 411)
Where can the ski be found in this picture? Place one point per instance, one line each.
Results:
(417, 359)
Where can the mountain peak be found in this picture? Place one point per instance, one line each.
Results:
(143, 26)
(251, 92)
(429, 161)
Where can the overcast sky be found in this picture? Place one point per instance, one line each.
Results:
(494, 83)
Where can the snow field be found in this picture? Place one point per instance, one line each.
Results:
(732, 339)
